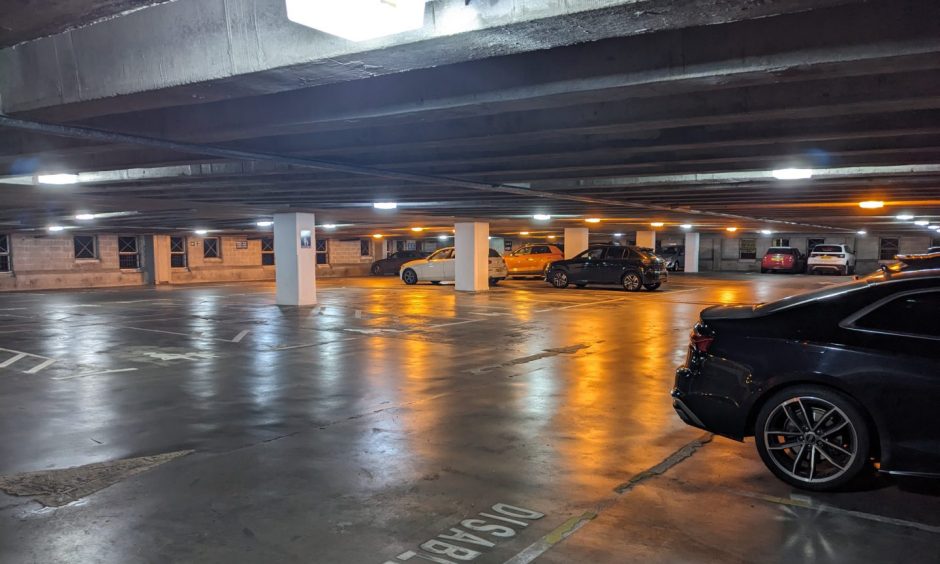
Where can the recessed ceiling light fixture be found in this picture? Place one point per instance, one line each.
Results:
(686, 226)
(593, 220)
(85, 216)
(523, 233)
(442, 237)
(792, 173)
(618, 235)
(541, 217)
(377, 236)
(862, 232)
(264, 223)
(55, 228)
(201, 231)
(385, 205)
(904, 217)
(731, 229)
(328, 226)
(766, 232)
(871, 204)
(657, 224)
(358, 20)
(417, 229)
(921, 222)
(551, 236)
(57, 179)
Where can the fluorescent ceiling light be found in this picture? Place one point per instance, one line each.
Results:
(686, 226)
(378, 236)
(766, 232)
(444, 237)
(871, 204)
(921, 222)
(618, 235)
(862, 232)
(904, 217)
(329, 226)
(657, 224)
(933, 227)
(593, 220)
(542, 216)
(792, 173)
(200, 231)
(358, 20)
(85, 216)
(385, 205)
(55, 228)
(523, 233)
(731, 229)
(265, 223)
(57, 178)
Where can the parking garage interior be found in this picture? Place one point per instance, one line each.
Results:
(199, 363)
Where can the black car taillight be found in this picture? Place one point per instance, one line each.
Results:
(702, 338)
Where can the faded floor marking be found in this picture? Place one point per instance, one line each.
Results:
(54, 488)
(546, 353)
(574, 524)
(20, 355)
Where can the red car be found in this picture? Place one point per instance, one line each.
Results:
(783, 259)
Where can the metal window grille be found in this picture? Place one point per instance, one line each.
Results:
(811, 244)
(85, 247)
(323, 252)
(888, 248)
(4, 253)
(781, 242)
(128, 254)
(210, 248)
(267, 251)
(748, 249)
(365, 247)
(178, 252)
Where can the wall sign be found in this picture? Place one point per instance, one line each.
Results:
(507, 245)
(306, 239)
(241, 244)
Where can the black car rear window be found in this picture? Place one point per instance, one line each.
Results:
(815, 295)
(781, 251)
(827, 249)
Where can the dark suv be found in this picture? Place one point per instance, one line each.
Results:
(631, 267)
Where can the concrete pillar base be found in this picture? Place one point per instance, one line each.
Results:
(471, 248)
(692, 244)
(295, 259)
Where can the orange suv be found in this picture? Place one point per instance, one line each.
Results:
(532, 260)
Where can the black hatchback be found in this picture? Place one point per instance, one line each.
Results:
(392, 264)
(631, 267)
(828, 382)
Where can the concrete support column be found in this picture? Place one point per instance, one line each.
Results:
(692, 243)
(471, 248)
(576, 241)
(295, 259)
(161, 259)
(646, 239)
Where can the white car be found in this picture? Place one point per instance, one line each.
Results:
(831, 258)
(439, 267)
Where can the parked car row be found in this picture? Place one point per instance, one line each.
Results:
(835, 259)
(828, 382)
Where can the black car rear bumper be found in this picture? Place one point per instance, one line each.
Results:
(711, 399)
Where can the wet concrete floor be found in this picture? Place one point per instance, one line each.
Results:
(388, 423)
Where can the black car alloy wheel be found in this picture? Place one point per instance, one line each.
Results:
(631, 282)
(812, 437)
(409, 276)
(560, 279)
(377, 269)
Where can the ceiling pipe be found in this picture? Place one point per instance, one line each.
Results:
(236, 154)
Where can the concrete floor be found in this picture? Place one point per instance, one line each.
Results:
(360, 429)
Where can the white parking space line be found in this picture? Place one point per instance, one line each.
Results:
(83, 374)
(41, 366)
(13, 359)
(240, 336)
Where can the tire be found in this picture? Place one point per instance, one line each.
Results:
(763, 270)
(494, 281)
(436, 282)
(559, 279)
(377, 270)
(850, 270)
(580, 286)
(653, 287)
(827, 422)
(410, 277)
(631, 282)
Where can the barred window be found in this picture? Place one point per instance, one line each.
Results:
(86, 246)
(747, 249)
(323, 252)
(211, 248)
(267, 251)
(888, 248)
(365, 247)
(5, 265)
(781, 242)
(128, 254)
(178, 252)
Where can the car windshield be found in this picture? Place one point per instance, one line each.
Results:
(827, 249)
(814, 295)
(441, 254)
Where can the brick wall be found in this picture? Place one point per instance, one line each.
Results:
(235, 264)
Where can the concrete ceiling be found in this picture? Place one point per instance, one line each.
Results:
(679, 123)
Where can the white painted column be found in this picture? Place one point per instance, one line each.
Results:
(576, 241)
(692, 243)
(646, 239)
(378, 249)
(295, 259)
(471, 245)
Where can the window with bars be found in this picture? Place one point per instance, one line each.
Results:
(5, 265)
(267, 251)
(365, 247)
(178, 252)
(747, 249)
(812, 243)
(781, 242)
(211, 248)
(323, 252)
(888, 248)
(128, 253)
(86, 246)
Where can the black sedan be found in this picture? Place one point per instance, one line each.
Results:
(631, 267)
(828, 382)
(392, 264)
